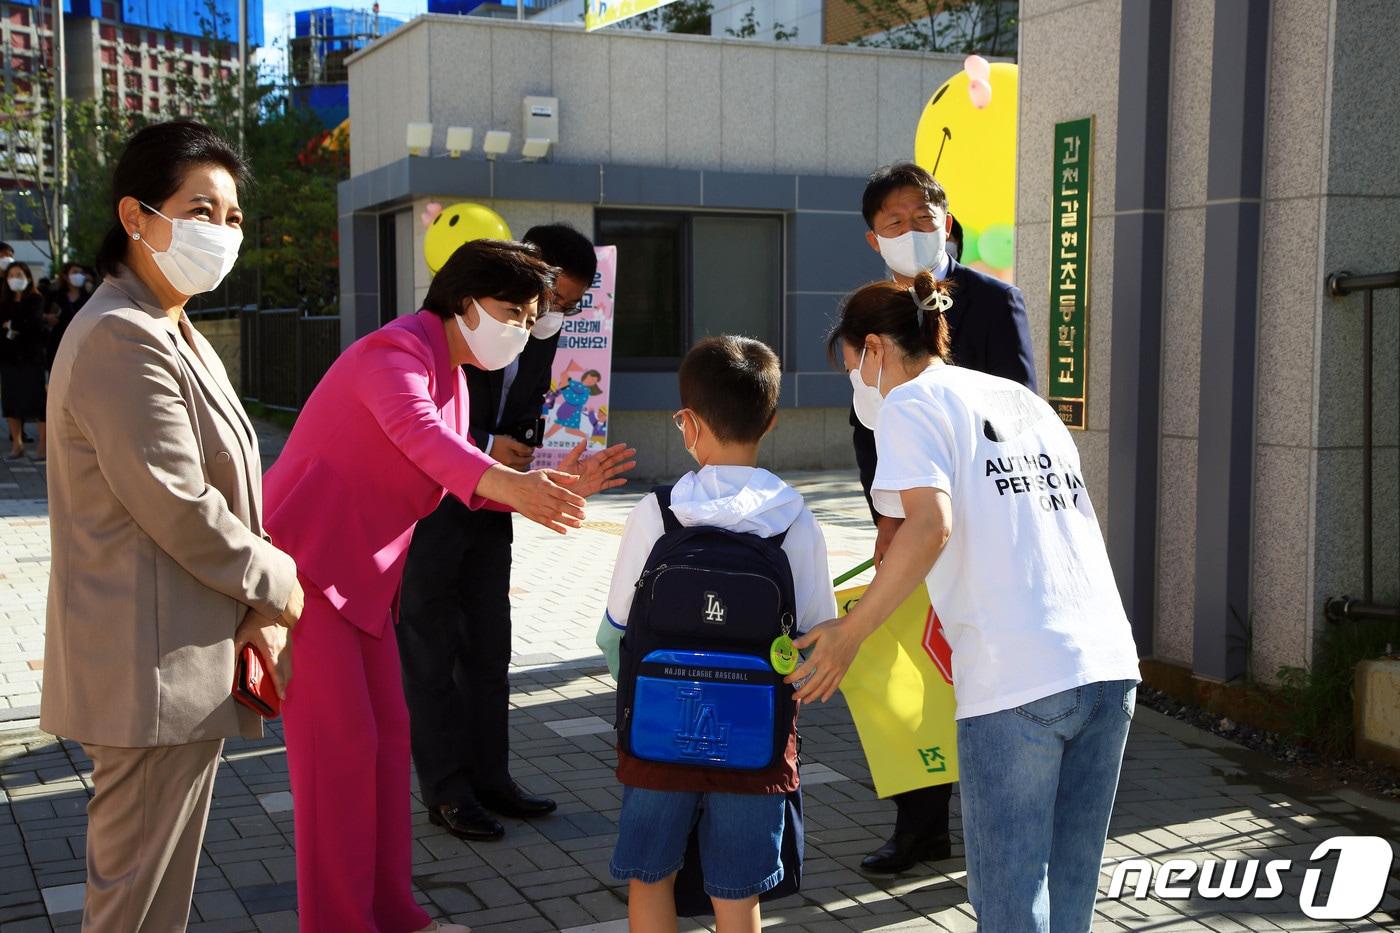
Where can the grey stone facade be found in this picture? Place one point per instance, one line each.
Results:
(1324, 200)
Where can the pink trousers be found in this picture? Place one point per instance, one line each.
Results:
(346, 726)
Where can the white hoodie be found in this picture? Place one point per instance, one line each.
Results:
(736, 498)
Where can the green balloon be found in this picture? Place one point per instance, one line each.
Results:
(969, 253)
(997, 246)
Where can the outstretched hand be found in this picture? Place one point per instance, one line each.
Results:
(545, 497)
(599, 471)
(834, 645)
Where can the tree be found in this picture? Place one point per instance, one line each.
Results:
(691, 17)
(26, 160)
(748, 28)
(97, 132)
(290, 255)
(987, 27)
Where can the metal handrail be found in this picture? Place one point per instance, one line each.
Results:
(1344, 608)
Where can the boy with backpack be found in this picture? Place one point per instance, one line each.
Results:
(715, 577)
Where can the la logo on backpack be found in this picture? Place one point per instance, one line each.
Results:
(697, 684)
(714, 609)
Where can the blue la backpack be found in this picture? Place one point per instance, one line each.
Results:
(697, 684)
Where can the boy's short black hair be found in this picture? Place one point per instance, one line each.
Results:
(733, 384)
(889, 179)
(564, 247)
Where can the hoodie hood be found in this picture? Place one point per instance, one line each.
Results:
(743, 499)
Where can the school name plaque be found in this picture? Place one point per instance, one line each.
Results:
(1069, 270)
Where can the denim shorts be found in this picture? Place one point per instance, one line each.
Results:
(740, 839)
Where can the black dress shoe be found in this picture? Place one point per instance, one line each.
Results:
(513, 801)
(467, 821)
(904, 851)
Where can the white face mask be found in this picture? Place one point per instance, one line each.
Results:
(911, 253)
(18, 284)
(680, 426)
(867, 399)
(200, 254)
(548, 325)
(5, 262)
(494, 343)
(77, 279)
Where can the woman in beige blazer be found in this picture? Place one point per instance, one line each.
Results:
(160, 566)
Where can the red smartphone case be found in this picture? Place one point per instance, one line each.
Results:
(252, 685)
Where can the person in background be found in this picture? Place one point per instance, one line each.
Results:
(455, 628)
(23, 355)
(74, 287)
(999, 526)
(906, 211)
(161, 570)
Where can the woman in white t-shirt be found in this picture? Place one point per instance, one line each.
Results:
(997, 521)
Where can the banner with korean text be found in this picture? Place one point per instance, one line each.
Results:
(900, 692)
(600, 13)
(1069, 270)
(576, 406)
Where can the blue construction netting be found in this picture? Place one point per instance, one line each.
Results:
(460, 7)
(331, 102)
(340, 21)
(216, 18)
(75, 7)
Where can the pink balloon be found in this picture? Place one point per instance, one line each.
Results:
(977, 67)
(430, 214)
(980, 92)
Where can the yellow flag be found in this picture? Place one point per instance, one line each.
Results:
(900, 692)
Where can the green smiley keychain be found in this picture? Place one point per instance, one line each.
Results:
(782, 654)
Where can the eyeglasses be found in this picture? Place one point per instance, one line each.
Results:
(566, 310)
(678, 419)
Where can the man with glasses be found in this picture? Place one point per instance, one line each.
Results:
(455, 651)
(906, 211)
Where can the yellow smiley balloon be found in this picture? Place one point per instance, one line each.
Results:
(972, 153)
(458, 224)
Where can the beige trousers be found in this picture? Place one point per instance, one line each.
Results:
(145, 828)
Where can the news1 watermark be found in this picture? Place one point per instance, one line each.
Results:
(1359, 876)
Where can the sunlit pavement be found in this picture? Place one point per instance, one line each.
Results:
(1184, 794)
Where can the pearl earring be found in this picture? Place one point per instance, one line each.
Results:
(136, 236)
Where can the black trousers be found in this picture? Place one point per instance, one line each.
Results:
(924, 811)
(454, 644)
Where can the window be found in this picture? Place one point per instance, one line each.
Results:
(684, 276)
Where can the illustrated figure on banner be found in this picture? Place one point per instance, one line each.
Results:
(575, 394)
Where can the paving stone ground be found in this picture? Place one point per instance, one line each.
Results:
(1184, 794)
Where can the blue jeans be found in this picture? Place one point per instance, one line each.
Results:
(1037, 786)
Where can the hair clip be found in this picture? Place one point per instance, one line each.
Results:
(937, 302)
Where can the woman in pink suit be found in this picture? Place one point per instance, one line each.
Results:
(380, 441)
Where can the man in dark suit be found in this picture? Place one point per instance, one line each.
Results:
(454, 629)
(907, 213)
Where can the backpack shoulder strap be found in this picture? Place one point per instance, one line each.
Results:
(668, 518)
